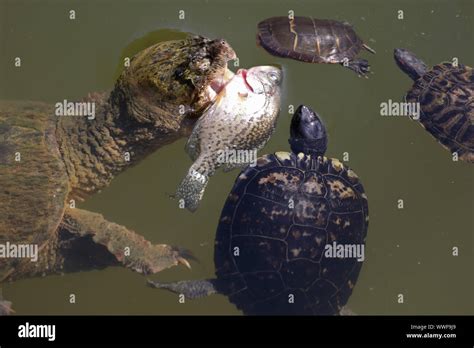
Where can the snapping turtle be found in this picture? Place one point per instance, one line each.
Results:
(241, 120)
(285, 232)
(445, 94)
(313, 40)
(47, 161)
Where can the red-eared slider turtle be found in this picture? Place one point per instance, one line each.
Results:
(242, 120)
(292, 232)
(314, 41)
(47, 161)
(445, 94)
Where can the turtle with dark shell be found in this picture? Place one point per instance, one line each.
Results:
(445, 94)
(277, 229)
(314, 40)
(49, 162)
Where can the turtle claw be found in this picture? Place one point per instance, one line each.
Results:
(183, 261)
(359, 66)
(163, 256)
(183, 255)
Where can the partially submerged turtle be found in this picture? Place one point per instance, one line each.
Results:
(46, 161)
(313, 40)
(445, 94)
(241, 120)
(279, 225)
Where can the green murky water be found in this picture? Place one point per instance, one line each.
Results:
(408, 251)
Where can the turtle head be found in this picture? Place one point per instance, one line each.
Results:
(170, 80)
(308, 133)
(409, 63)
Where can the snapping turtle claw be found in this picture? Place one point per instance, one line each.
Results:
(183, 261)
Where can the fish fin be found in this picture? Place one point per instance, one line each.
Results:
(192, 145)
(191, 189)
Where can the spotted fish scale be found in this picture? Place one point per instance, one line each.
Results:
(242, 120)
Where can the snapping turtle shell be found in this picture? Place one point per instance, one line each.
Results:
(34, 181)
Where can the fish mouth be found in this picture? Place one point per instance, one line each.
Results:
(223, 75)
(217, 84)
(243, 73)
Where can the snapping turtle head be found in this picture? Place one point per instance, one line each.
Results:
(172, 81)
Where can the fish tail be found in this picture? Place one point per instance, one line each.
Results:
(191, 190)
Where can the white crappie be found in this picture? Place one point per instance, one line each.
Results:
(242, 118)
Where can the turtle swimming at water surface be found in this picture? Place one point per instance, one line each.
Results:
(242, 119)
(314, 40)
(47, 161)
(279, 228)
(445, 94)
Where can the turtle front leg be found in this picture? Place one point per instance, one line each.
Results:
(359, 66)
(86, 241)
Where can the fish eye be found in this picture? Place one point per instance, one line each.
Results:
(273, 76)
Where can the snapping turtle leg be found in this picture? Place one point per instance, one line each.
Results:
(87, 241)
(359, 66)
(189, 288)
